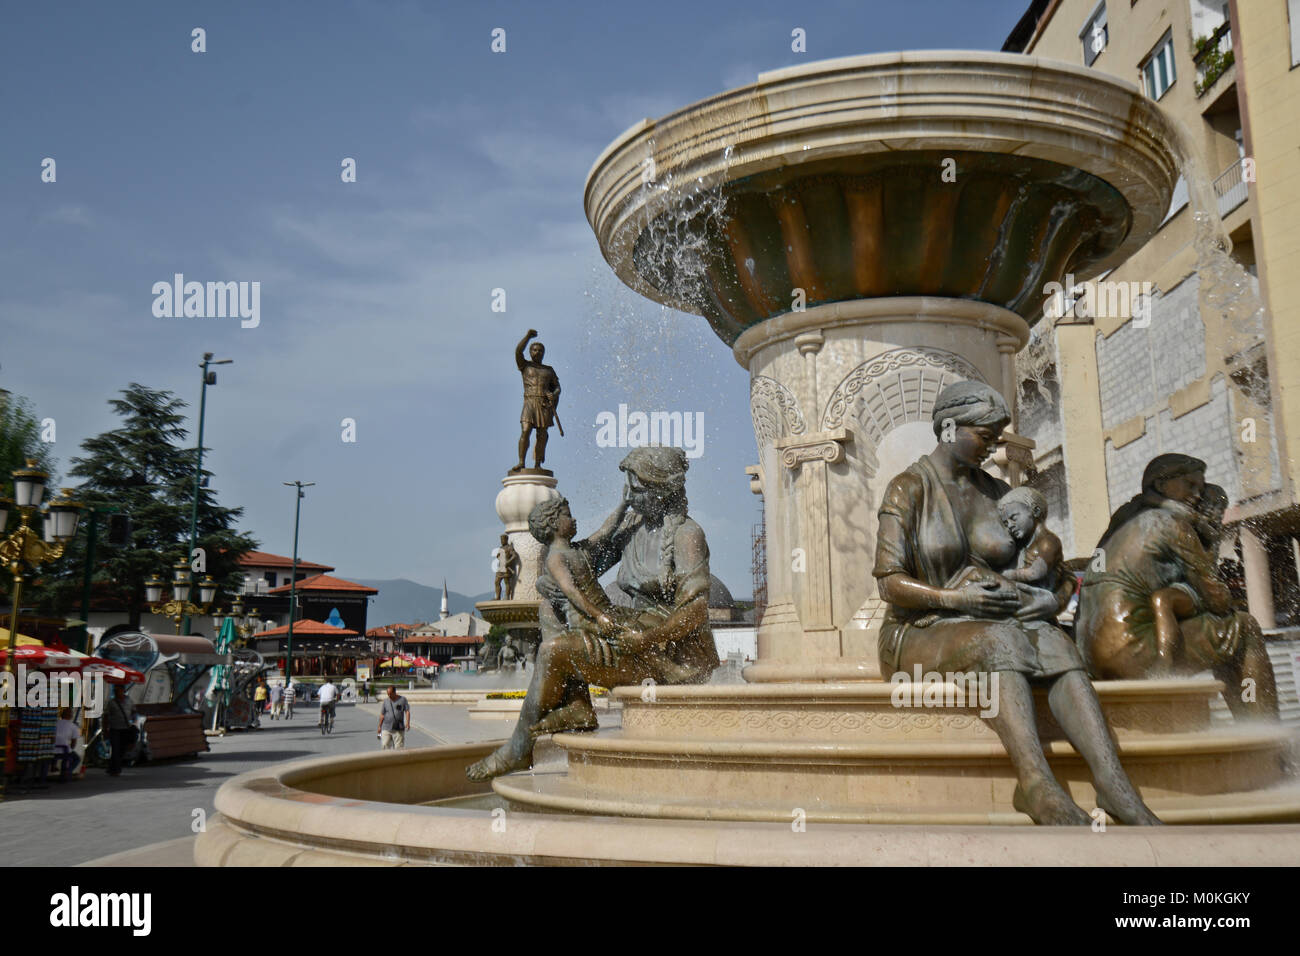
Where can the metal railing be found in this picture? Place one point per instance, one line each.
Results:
(1214, 58)
(1230, 189)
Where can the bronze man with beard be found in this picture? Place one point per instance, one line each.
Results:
(541, 395)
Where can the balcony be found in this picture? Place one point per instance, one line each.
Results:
(1213, 57)
(1230, 189)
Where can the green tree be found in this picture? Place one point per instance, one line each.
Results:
(20, 440)
(144, 469)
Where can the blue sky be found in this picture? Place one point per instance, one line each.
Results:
(376, 295)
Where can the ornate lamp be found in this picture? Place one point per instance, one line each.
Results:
(29, 485)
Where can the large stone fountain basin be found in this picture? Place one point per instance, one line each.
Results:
(372, 810)
(830, 179)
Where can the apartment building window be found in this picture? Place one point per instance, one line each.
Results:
(1095, 34)
(1293, 13)
(1158, 69)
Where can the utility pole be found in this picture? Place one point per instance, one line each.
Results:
(209, 378)
(293, 574)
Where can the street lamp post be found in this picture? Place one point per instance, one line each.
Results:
(293, 574)
(178, 608)
(209, 378)
(25, 551)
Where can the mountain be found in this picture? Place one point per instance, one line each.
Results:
(400, 600)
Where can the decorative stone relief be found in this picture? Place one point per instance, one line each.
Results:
(893, 388)
(775, 411)
(779, 722)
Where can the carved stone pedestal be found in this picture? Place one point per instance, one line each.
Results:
(841, 396)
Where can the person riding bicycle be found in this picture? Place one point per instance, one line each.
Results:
(329, 695)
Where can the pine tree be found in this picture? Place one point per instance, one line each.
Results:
(20, 440)
(143, 468)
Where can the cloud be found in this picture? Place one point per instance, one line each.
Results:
(69, 214)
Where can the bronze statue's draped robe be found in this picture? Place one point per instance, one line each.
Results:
(638, 551)
(920, 535)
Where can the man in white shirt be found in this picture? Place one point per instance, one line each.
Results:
(394, 721)
(66, 735)
(288, 699)
(328, 696)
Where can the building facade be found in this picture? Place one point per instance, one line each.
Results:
(1199, 352)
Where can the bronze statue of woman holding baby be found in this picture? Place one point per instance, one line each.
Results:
(940, 551)
(662, 635)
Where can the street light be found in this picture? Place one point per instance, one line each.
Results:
(179, 608)
(25, 551)
(293, 573)
(209, 378)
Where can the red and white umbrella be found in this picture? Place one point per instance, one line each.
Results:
(114, 673)
(43, 658)
(48, 659)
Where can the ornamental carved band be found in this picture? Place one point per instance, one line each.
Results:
(894, 388)
(775, 411)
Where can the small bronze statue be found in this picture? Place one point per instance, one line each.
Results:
(541, 396)
(507, 570)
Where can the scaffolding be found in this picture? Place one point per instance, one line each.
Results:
(758, 566)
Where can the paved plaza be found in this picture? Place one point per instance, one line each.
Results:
(137, 813)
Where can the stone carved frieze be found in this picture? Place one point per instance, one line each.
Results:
(893, 388)
(775, 411)
(781, 722)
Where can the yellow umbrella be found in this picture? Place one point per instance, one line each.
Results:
(23, 639)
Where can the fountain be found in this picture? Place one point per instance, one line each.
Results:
(862, 233)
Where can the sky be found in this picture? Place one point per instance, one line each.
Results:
(376, 295)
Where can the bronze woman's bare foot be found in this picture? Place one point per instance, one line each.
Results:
(1048, 805)
(575, 716)
(498, 763)
(1131, 812)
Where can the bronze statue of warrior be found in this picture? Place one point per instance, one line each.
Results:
(507, 570)
(541, 396)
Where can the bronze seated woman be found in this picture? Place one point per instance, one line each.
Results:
(663, 570)
(940, 548)
(1153, 604)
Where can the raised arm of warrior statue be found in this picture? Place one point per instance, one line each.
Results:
(520, 361)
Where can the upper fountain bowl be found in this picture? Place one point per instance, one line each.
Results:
(944, 173)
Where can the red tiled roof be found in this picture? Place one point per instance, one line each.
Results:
(308, 627)
(265, 559)
(324, 582)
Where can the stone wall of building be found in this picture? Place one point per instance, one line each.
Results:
(1139, 367)
(1205, 432)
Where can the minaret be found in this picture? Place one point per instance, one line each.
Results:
(442, 612)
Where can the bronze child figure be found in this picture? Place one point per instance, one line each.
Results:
(1024, 513)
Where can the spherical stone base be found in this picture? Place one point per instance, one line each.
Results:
(519, 494)
(509, 614)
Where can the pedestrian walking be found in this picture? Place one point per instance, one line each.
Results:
(120, 714)
(259, 701)
(289, 694)
(394, 721)
(365, 691)
(277, 700)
